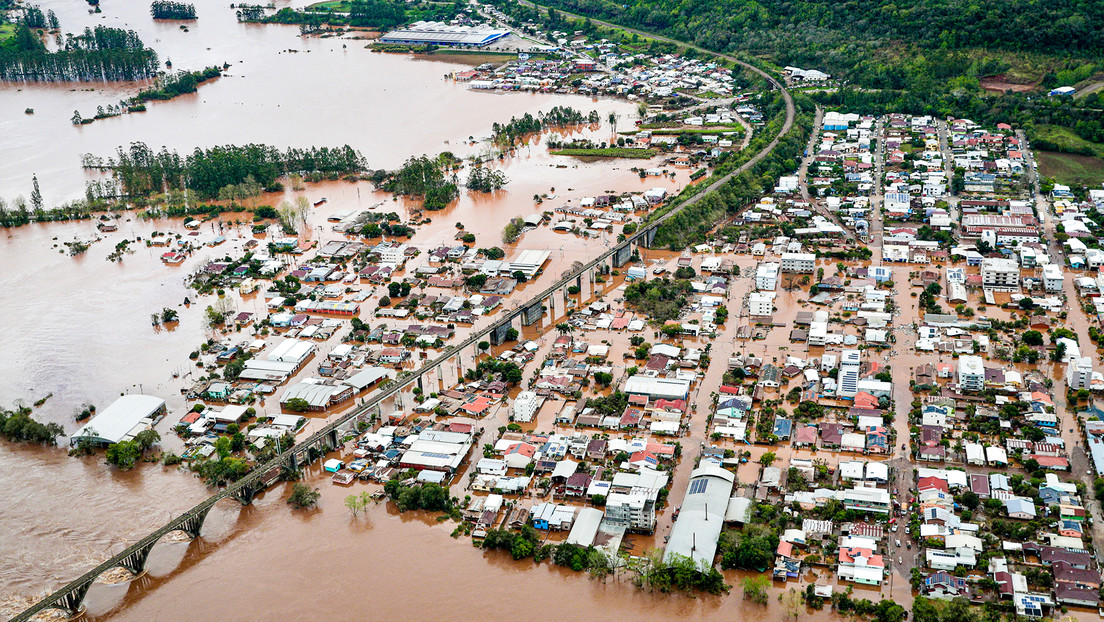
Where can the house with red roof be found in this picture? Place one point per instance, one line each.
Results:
(932, 483)
(476, 405)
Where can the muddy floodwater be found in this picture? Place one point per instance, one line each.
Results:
(78, 328)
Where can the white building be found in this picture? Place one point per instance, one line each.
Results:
(121, 421)
(1052, 278)
(395, 254)
(971, 373)
(766, 277)
(1079, 373)
(799, 262)
(761, 304)
(526, 406)
(998, 272)
(848, 378)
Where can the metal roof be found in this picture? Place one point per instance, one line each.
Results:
(116, 422)
(701, 518)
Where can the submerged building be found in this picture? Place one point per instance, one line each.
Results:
(438, 33)
(698, 527)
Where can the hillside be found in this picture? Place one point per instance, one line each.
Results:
(841, 36)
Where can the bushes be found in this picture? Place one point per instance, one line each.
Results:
(18, 426)
(303, 496)
(682, 574)
(431, 497)
(525, 543)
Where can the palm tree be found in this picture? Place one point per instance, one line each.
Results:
(613, 122)
(564, 328)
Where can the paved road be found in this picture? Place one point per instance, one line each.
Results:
(1080, 467)
(803, 176)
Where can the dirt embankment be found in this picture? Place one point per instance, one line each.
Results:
(1000, 84)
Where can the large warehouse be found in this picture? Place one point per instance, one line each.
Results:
(438, 33)
(121, 421)
(698, 527)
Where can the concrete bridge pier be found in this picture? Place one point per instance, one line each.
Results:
(194, 523)
(72, 602)
(586, 286)
(136, 561)
(648, 238)
(246, 494)
(621, 256)
(498, 333)
(532, 314)
(557, 305)
(546, 313)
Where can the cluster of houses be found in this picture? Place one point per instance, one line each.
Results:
(956, 544)
(602, 69)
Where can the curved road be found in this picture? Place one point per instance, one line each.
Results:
(259, 474)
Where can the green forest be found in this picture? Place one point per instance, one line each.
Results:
(805, 30)
(380, 14)
(96, 55)
(141, 171)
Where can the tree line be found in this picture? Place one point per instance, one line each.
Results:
(166, 9)
(17, 426)
(377, 14)
(557, 116)
(174, 84)
(33, 17)
(695, 223)
(140, 171)
(97, 55)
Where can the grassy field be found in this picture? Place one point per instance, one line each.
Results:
(1070, 169)
(329, 5)
(1066, 140)
(609, 152)
(6, 31)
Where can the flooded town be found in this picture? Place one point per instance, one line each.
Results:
(426, 309)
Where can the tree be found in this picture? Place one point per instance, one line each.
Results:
(36, 194)
(302, 209)
(123, 455)
(297, 405)
(146, 439)
(484, 345)
(755, 588)
(767, 459)
(512, 231)
(303, 496)
(511, 334)
(1032, 338)
(889, 611)
(353, 502)
(603, 378)
(791, 603)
